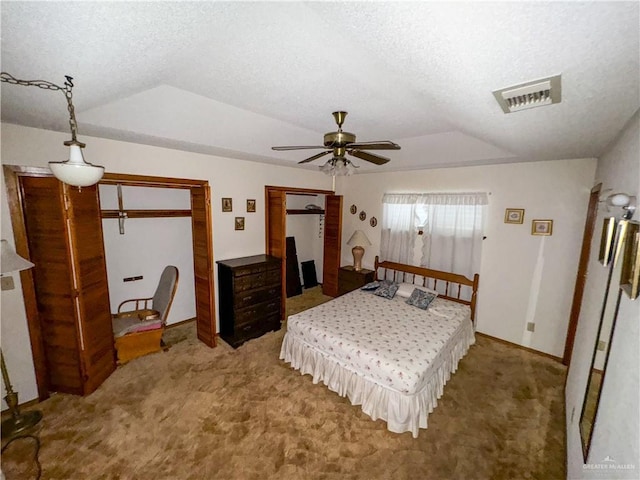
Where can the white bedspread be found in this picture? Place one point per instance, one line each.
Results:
(389, 357)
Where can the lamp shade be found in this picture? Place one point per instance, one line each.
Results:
(76, 171)
(359, 238)
(11, 261)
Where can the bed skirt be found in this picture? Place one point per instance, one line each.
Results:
(402, 412)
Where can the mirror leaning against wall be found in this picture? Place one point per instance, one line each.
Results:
(620, 253)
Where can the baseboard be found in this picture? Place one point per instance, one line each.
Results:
(511, 344)
(179, 324)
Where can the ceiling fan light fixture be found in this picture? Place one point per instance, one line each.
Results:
(338, 167)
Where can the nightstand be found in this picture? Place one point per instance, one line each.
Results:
(349, 279)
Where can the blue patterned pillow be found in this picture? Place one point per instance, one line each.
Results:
(386, 290)
(421, 299)
(370, 286)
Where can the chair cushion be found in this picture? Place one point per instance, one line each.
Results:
(130, 324)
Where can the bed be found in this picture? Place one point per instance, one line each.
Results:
(391, 358)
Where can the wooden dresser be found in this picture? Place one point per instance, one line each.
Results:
(249, 297)
(349, 279)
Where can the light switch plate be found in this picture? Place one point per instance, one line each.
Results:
(7, 283)
(531, 327)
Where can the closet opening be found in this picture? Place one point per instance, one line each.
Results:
(304, 229)
(79, 263)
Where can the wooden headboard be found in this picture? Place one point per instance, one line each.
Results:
(426, 277)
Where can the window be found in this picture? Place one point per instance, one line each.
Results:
(451, 226)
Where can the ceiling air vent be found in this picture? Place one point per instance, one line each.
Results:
(537, 93)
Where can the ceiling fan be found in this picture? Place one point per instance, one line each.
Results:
(341, 142)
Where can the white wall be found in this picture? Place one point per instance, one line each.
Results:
(523, 278)
(147, 246)
(308, 232)
(240, 180)
(615, 433)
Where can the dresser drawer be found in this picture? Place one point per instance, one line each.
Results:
(252, 297)
(257, 312)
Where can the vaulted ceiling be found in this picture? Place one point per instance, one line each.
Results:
(235, 78)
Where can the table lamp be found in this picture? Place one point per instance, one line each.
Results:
(357, 240)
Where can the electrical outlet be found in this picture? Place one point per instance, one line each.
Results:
(531, 327)
(7, 283)
(602, 345)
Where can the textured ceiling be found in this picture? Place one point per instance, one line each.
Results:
(235, 78)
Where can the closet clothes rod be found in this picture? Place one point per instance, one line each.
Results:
(145, 213)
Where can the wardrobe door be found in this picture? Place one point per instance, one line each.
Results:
(93, 309)
(64, 233)
(202, 264)
(276, 225)
(45, 223)
(332, 239)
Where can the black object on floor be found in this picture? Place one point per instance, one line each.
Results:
(309, 274)
(293, 272)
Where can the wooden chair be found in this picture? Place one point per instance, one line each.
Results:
(138, 331)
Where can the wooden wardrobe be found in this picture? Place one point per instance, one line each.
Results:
(59, 228)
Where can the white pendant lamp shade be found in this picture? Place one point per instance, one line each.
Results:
(76, 171)
(11, 261)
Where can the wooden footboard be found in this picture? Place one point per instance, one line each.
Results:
(453, 283)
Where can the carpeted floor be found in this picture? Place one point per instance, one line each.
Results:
(200, 413)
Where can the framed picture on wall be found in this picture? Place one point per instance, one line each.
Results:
(541, 227)
(239, 223)
(606, 240)
(251, 205)
(227, 205)
(514, 215)
(630, 276)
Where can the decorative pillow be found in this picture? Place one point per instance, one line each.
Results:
(406, 289)
(421, 299)
(370, 286)
(386, 290)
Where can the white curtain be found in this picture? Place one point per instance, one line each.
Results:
(452, 226)
(398, 227)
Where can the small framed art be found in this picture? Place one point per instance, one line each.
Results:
(251, 205)
(514, 215)
(541, 227)
(239, 223)
(630, 275)
(227, 205)
(606, 241)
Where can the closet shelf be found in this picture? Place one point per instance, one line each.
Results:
(145, 213)
(304, 211)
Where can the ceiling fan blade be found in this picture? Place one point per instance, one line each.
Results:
(284, 149)
(311, 159)
(369, 157)
(382, 145)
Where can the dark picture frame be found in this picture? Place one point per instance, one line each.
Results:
(227, 204)
(239, 223)
(251, 205)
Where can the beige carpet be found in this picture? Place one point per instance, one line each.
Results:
(200, 413)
